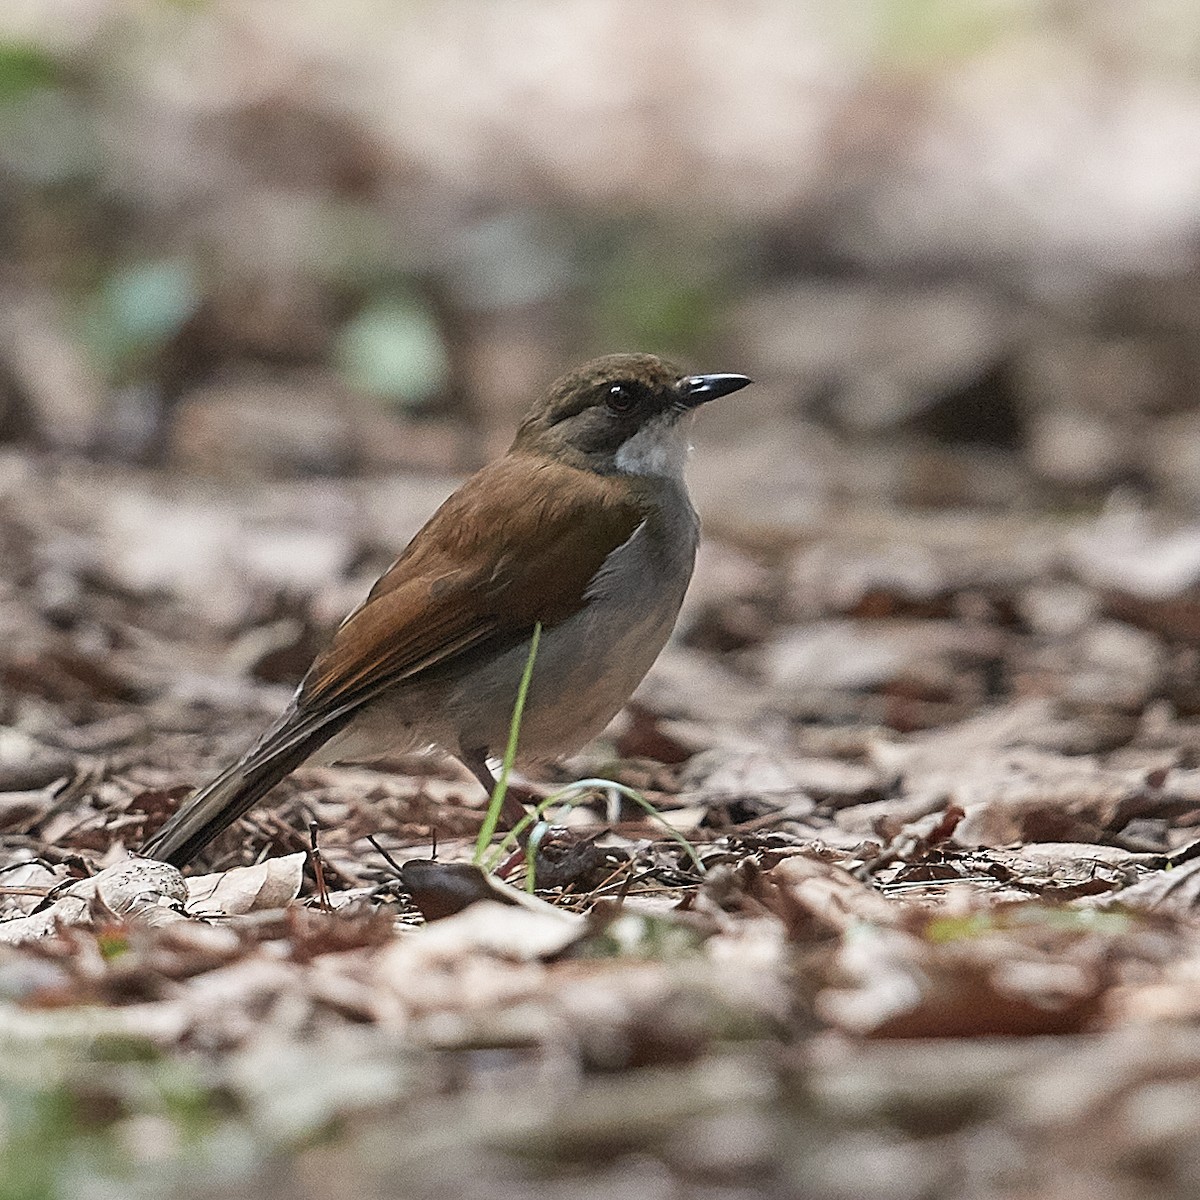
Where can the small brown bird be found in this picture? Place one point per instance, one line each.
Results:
(584, 525)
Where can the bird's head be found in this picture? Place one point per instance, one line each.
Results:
(623, 414)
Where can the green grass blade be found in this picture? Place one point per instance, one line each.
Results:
(492, 817)
(566, 796)
(531, 851)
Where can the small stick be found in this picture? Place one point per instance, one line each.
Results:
(314, 857)
(626, 866)
(387, 858)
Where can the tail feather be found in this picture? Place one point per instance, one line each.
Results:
(219, 803)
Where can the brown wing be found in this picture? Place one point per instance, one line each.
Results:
(519, 542)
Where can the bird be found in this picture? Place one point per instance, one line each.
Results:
(583, 530)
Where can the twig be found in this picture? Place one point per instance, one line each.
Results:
(86, 777)
(385, 854)
(314, 857)
(625, 867)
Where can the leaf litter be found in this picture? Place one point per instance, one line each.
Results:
(935, 922)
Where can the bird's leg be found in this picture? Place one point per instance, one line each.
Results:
(511, 810)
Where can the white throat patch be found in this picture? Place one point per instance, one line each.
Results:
(659, 448)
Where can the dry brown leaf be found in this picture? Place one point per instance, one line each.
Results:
(137, 889)
(988, 981)
(533, 930)
(441, 889)
(1176, 890)
(479, 960)
(761, 773)
(71, 910)
(865, 655)
(1015, 810)
(816, 899)
(270, 884)
(950, 749)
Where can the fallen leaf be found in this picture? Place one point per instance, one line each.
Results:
(442, 889)
(268, 885)
(138, 889)
(1175, 890)
(1024, 970)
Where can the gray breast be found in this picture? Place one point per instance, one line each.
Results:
(588, 666)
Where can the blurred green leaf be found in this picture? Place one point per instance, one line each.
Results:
(112, 946)
(149, 301)
(657, 312)
(656, 289)
(136, 309)
(39, 1126)
(393, 349)
(926, 32)
(46, 134)
(24, 69)
(643, 936)
(64, 1119)
(959, 928)
(1024, 916)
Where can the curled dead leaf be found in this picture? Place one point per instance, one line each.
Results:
(267, 885)
(138, 889)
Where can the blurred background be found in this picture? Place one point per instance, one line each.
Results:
(954, 241)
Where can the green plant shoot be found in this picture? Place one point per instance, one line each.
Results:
(492, 817)
(570, 796)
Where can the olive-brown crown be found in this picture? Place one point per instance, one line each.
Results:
(592, 411)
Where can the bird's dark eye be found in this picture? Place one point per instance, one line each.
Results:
(621, 398)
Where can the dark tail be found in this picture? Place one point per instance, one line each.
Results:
(238, 788)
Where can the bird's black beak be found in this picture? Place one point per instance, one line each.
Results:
(695, 390)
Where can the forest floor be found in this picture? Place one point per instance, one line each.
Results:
(917, 918)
